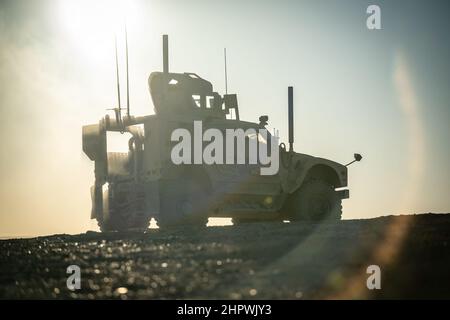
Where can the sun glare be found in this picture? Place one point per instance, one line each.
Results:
(92, 25)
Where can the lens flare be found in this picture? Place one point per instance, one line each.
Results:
(410, 106)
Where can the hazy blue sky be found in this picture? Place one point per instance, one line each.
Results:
(383, 93)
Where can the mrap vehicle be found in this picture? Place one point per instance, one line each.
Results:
(133, 187)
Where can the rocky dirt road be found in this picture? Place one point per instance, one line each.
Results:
(254, 261)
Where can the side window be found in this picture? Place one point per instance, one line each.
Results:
(196, 99)
(209, 102)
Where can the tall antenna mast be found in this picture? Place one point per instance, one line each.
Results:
(165, 54)
(128, 84)
(225, 65)
(117, 76)
(291, 117)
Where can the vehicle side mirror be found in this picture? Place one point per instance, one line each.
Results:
(357, 157)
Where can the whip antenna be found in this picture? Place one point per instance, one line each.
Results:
(225, 65)
(117, 73)
(128, 84)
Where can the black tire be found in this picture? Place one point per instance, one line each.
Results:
(183, 202)
(122, 218)
(315, 200)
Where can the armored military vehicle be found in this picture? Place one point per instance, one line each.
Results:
(133, 187)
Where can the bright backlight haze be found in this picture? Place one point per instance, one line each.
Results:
(382, 93)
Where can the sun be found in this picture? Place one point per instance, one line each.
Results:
(86, 16)
(92, 25)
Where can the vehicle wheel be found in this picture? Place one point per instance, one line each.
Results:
(119, 214)
(183, 203)
(315, 200)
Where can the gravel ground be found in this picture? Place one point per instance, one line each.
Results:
(254, 261)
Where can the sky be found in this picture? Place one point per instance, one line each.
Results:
(382, 93)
